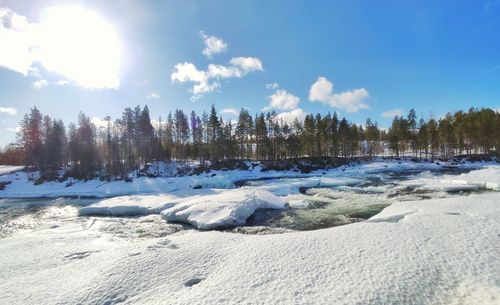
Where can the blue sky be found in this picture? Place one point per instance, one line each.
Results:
(380, 57)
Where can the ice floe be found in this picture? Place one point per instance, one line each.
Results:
(227, 209)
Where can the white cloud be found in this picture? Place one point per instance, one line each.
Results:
(209, 80)
(392, 113)
(350, 101)
(99, 123)
(156, 123)
(39, 84)
(230, 111)
(153, 95)
(273, 86)
(70, 41)
(62, 82)
(8, 110)
(213, 45)
(247, 64)
(18, 41)
(290, 116)
(282, 100)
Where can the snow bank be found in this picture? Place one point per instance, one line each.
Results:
(129, 205)
(427, 252)
(487, 178)
(226, 209)
(7, 169)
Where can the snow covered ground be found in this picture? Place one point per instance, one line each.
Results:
(441, 251)
(7, 169)
(420, 249)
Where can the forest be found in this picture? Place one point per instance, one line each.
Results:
(114, 149)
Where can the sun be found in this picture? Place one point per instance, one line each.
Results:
(80, 45)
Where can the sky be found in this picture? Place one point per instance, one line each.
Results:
(361, 59)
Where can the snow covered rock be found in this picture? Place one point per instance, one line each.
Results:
(226, 209)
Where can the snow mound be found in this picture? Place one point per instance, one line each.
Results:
(488, 178)
(482, 179)
(226, 209)
(129, 205)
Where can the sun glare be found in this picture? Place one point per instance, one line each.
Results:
(81, 45)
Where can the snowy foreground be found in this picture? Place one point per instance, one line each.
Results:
(436, 242)
(442, 251)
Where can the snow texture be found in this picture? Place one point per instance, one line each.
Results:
(487, 178)
(227, 209)
(129, 205)
(439, 251)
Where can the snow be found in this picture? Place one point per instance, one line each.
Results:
(129, 205)
(7, 169)
(21, 185)
(487, 178)
(207, 209)
(439, 251)
(226, 209)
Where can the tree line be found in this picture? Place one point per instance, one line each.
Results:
(115, 149)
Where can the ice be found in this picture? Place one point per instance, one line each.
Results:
(439, 251)
(226, 209)
(282, 187)
(487, 178)
(285, 182)
(130, 205)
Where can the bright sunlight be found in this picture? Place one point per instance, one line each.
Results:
(80, 45)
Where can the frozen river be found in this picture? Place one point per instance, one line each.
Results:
(312, 203)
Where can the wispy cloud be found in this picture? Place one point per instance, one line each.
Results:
(491, 6)
(350, 101)
(153, 96)
(230, 111)
(144, 83)
(8, 110)
(39, 84)
(213, 45)
(62, 82)
(389, 114)
(272, 86)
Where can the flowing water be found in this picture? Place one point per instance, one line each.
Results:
(312, 207)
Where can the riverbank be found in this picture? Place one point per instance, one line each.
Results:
(156, 179)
